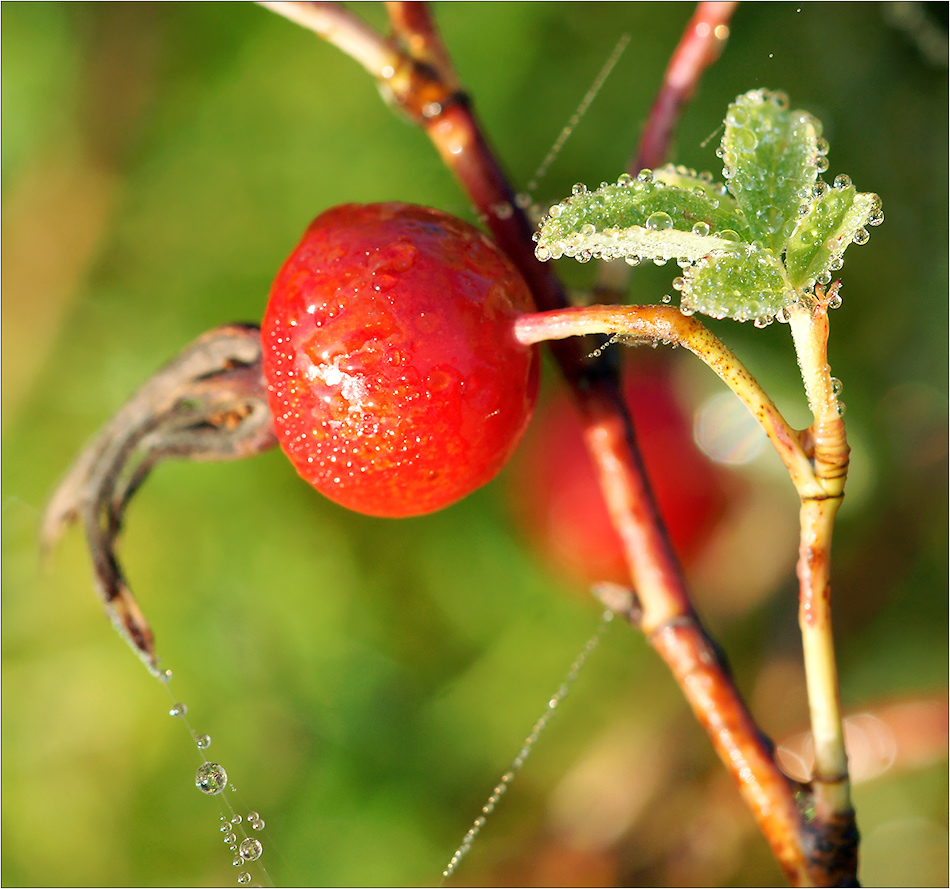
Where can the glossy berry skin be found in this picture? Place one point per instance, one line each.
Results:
(394, 379)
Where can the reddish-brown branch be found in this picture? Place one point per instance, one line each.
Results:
(417, 32)
(665, 613)
(700, 46)
(666, 616)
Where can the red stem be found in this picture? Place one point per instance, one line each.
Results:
(700, 46)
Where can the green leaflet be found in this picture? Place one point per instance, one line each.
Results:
(644, 217)
(837, 216)
(748, 284)
(751, 248)
(770, 161)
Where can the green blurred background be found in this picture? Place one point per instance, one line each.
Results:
(366, 682)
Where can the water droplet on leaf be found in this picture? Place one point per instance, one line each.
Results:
(203, 741)
(659, 221)
(746, 140)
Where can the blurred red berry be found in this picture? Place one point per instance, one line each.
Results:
(394, 379)
(557, 495)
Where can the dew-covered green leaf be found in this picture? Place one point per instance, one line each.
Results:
(770, 161)
(746, 284)
(836, 218)
(642, 217)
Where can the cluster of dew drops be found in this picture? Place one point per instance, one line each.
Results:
(211, 779)
(746, 141)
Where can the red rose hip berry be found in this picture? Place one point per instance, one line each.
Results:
(394, 378)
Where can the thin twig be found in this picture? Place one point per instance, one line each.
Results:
(702, 43)
(344, 30)
(668, 324)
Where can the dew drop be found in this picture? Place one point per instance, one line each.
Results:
(165, 676)
(822, 164)
(824, 277)
(746, 140)
(729, 235)
(587, 230)
(244, 877)
(822, 146)
(842, 407)
(579, 188)
(555, 211)
(257, 823)
(503, 210)
(238, 860)
(842, 180)
(542, 253)
(861, 236)
(737, 116)
(659, 221)
(837, 387)
(678, 283)
(203, 741)
(251, 849)
(211, 778)
(632, 260)
(666, 299)
(624, 179)
(229, 838)
(836, 264)
(237, 819)
(178, 709)
(780, 100)
(835, 302)
(876, 217)
(645, 176)
(701, 229)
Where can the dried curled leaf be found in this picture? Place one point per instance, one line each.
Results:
(209, 403)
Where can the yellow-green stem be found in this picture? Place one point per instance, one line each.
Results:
(809, 325)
